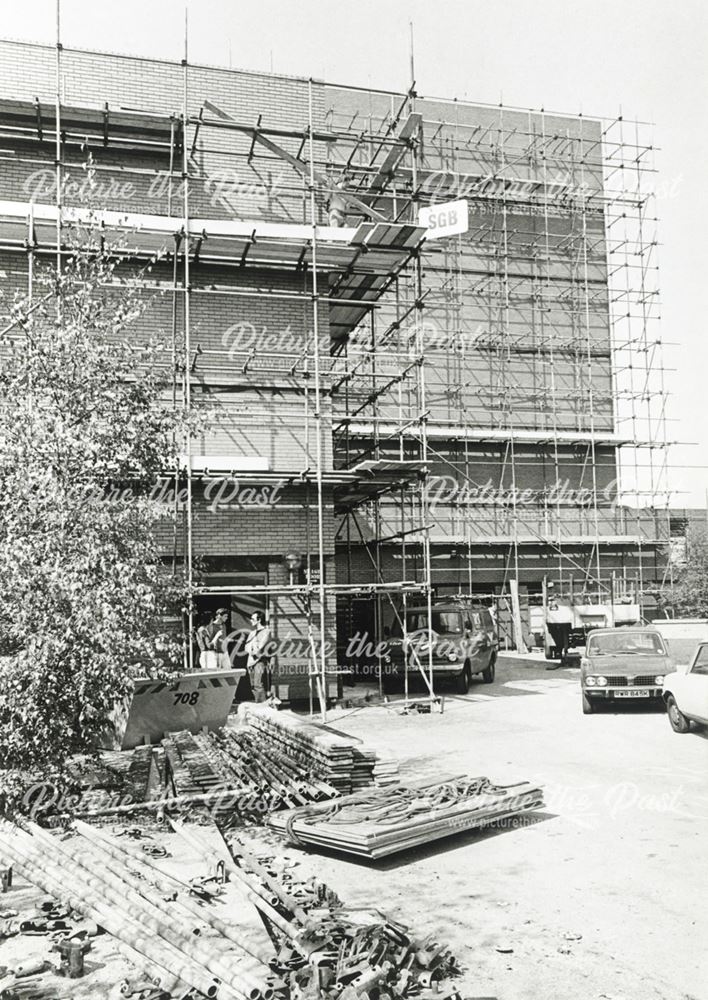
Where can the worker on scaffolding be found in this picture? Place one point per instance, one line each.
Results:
(337, 205)
(211, 639)
(258, 657)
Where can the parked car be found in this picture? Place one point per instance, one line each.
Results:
(686, 692)
(464, 643)
(623, 663)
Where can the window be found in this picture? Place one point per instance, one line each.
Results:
(444, 622)
(700, 665)
(623, 643)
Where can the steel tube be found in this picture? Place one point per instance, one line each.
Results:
(117, 866)
(253, 891)
(118, 890)
(283, 895)
(40, 872)
(165, 882)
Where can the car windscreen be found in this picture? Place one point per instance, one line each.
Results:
(626, 643)
(443, 622)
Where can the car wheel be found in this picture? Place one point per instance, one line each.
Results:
(488, 674)
(463, 679)
(679, 722)
(588, 707)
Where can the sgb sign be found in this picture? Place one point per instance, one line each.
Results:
(444, 220)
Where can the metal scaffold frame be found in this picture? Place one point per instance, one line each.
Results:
(548, 307)
(583, 293)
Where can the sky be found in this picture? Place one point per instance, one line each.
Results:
(647, 60)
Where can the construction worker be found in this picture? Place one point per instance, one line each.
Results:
(560, 634)
(211, 640)
(337, 206)
(258, 653)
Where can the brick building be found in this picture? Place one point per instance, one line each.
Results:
(402, 414)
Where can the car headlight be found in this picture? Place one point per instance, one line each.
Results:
(601, 681)
(659, 679)
(590, 681)
(452, 657)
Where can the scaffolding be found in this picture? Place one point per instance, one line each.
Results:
(517, 366)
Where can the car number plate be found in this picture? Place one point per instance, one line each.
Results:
(639, 693)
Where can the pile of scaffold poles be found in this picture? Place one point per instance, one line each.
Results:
(310, 945)
(275, 761)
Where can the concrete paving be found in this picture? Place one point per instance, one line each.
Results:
(603, 895)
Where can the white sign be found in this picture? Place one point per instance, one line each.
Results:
(444, 220)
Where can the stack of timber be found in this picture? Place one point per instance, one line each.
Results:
(364, 762)
(384, 821)
(317, 752)
(339, 760)
(386, 772)
(191, 770)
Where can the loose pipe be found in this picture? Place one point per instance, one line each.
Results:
(38, 871)
(117, 866)
(283, 895)
(166, 883)
(118, 892)
(253, 892)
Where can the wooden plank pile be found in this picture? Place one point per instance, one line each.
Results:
(96, 783)
(341, 761)
(316, 751)
(191, 770)
(379, 822)
(386, 772)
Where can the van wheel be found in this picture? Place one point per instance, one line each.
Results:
(679, 722)
(588, 707)
(463, 679)
(489, 673)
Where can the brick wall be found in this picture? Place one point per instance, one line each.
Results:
(222, 183)
(230, 526)
(514, 353)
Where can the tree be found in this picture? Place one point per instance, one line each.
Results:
(87, 427)
(688, 596)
